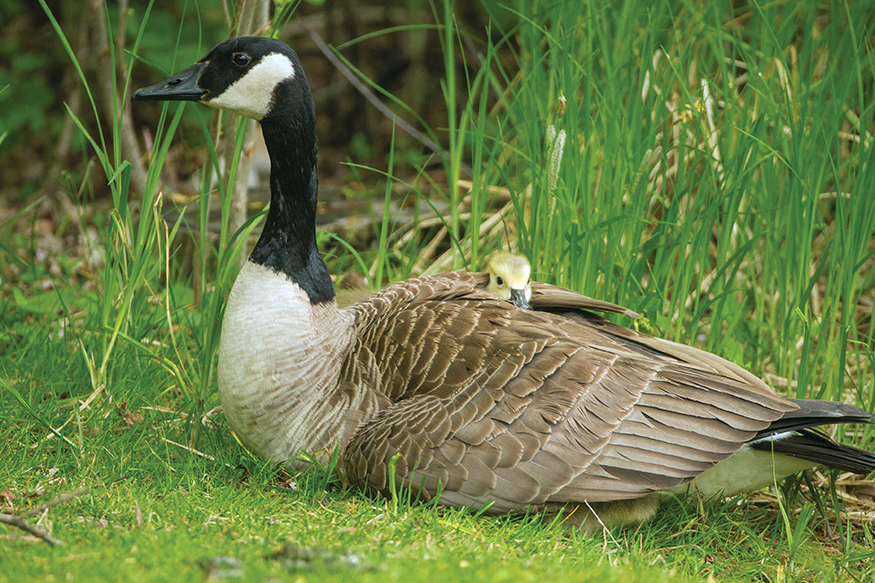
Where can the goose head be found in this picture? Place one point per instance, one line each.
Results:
(242, 75)
(509, 278)
(262, 78)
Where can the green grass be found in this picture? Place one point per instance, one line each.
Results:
(716, 177)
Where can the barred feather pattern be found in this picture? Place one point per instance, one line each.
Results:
(478, 401)
(530, 407)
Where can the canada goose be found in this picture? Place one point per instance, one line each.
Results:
(509, 278)
(469, 396)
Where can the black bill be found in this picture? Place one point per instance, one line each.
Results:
(179, 87)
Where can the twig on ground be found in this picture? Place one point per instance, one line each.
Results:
(190, 449)
(59, 500)
(87, 402)
(20, 522)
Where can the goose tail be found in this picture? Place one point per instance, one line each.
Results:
(796, 434)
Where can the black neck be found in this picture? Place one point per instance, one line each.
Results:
(288, 241)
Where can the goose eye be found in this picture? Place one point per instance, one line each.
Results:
(240, 59)
(499, 280)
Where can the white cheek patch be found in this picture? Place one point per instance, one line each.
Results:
(250, 95)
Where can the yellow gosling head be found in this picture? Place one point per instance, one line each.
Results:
(509, 278)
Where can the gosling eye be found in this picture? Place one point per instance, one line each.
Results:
(241, 59)
(499, 280)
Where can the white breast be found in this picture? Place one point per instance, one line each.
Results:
(279, 362)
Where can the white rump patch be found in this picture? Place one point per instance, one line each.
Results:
(776, 437)
(251, 94)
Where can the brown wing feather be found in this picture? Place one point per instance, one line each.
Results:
(555, 298)
(529, 407)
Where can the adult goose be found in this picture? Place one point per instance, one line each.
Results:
(475, 400)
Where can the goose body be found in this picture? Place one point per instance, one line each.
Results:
(477, 400)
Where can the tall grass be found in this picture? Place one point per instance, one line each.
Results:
(131, 267)
(716, 176)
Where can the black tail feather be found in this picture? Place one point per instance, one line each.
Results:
(813, 413)
(803, 440)
(812, 445)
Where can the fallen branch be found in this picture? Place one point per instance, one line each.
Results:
(59, 500)
(21, 523)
